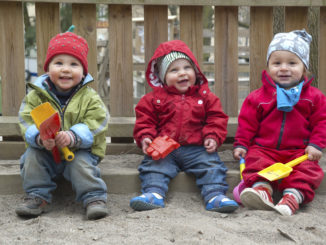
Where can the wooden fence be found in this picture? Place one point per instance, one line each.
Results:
(12, 69)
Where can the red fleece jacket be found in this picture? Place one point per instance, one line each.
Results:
(187, 118)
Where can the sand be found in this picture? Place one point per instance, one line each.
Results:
(183, 221)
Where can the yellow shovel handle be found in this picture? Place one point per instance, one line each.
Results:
(68, 154)
(297, 161)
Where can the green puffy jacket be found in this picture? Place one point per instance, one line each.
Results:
(85, 114)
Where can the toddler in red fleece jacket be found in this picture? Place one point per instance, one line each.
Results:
(279, 122)
(182, 107)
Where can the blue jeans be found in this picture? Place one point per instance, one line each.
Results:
(209, 170)
(38, 171)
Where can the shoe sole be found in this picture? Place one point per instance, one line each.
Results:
(251, 199)
(29, 212)
(225, 209)
(142, 206)
(96, 213)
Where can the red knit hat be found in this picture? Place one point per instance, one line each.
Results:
(68, 43)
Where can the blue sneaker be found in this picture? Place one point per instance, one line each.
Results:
(222, 204)
(147, 201)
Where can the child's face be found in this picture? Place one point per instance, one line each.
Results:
(181, 75)
(285, 67)
(65, 71)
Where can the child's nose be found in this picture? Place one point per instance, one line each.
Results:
(284, 66)
(65, 68)
(182, 72)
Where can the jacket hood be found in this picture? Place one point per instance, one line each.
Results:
(163, 49)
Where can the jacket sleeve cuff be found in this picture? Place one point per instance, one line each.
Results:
(240, 146)
(83, 135)
(31, 136)
(315, 146)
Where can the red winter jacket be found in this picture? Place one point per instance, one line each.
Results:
(260, 123)
(187, 118)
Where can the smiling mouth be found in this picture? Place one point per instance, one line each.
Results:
(65, 78)
(183, 81)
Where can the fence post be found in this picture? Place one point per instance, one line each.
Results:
(226, 58)
(155, 31)
(12, 62)
(261, 34)
(84, 18)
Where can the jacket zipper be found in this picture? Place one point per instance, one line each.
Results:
(281, 131)
(180, 118)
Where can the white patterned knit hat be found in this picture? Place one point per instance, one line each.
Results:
(168, 59)
(297, 42)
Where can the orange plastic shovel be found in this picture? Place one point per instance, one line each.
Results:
(47, 120)
(279, 170)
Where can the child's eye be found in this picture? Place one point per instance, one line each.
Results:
(74, 64)
(58, 63)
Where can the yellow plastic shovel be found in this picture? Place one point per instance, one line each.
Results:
(47, 120)
(279, 170)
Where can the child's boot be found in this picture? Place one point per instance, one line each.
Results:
(258, 197)
(96, 210)
(31, 206)
(147, 201)
(222, 204)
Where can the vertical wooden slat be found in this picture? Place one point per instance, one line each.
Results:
(12, 66)
(47, 26)
(84, 18)
(322, 51)
(191, 29)
(261, 34)
(226, 58)
(121, 67)
(296, 18)
(156, 30)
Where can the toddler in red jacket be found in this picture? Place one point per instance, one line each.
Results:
(279, 122)
(181, 107)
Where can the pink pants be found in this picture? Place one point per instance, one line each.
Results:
(305, 177)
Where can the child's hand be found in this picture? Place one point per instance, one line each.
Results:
(210, 145)
(62, 139)
(313, 153)
(48, 144)
(145, 144)
(239, 152)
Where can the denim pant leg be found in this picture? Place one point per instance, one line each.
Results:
(85, 177)
(209, 170)
(156, 175)
(38, 170)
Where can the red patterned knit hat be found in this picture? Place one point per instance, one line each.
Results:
(68, 43)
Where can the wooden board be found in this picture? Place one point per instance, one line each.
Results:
(296, 18)
(261, 34)
(84, 18)
(191, 29)
(156, 31)
(120, 61)
(12, 66)
(226, 58)
(47, 26)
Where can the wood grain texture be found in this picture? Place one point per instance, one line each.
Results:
(226, 58)
(12, 65)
